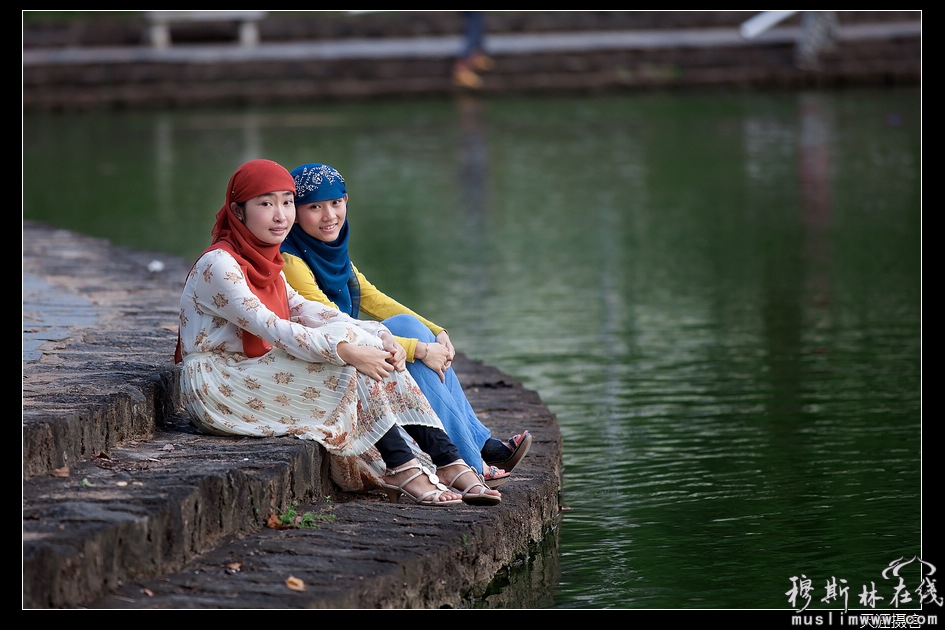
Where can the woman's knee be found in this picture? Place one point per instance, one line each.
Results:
(405, 325)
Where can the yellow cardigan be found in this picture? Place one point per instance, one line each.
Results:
(374, 304)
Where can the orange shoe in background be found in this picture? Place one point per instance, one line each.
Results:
(463, 76)
(482, 62)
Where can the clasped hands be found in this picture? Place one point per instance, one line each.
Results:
(378, 363)
(372, 361)
(439, 355)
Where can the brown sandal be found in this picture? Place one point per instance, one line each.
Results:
(507, 455)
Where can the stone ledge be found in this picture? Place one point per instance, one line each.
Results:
(126, 506)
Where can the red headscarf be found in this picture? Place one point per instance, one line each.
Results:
(259, 261)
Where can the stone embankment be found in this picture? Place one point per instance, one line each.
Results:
(318, 55)
(125, 505)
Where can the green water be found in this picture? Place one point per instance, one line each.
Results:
(719, 296)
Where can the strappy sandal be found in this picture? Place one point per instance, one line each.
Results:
(429, 498)
(493, 478)
(507, 455)
(479, 497)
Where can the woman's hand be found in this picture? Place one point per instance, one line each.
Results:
(368, 360)
(444, 338)
(398, 356)
(437, 358)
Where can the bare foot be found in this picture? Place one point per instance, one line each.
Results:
(491, 471)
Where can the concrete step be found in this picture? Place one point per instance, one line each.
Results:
(126, 505)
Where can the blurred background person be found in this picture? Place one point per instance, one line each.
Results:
(472, 57)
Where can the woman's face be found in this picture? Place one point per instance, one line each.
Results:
(323, 219)
(270, 216)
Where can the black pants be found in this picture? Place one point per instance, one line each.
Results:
(434, 442)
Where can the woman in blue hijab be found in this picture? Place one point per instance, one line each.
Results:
(317, 265)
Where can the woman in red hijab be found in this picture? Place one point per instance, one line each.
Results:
(260, 360)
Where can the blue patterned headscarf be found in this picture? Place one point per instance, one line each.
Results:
(329, 262)
(317, 182)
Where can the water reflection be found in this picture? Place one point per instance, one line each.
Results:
(529, 582)
(815, 170)
(719, 297)
(473, 177)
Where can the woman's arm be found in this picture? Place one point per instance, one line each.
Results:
(221, 290)
(378, 305)
(314, 314)
(300, 276)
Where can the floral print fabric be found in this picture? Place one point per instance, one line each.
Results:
(301, 387)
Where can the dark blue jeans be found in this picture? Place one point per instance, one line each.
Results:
(474, 31)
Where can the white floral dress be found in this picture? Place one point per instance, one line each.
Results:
(301, 387)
